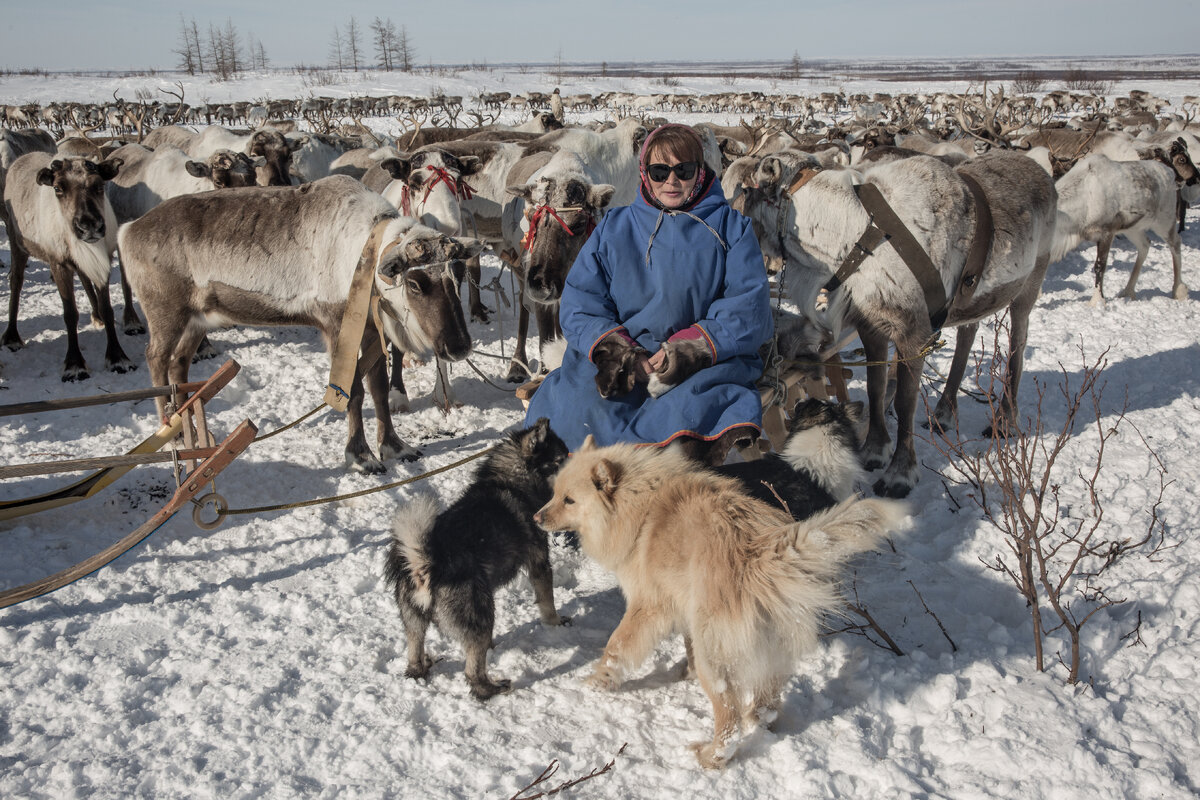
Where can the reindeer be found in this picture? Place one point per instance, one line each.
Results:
(287, 256)
(58, 213)
(1100, 198)
(556, 208)
(267, 143)
(992, 219)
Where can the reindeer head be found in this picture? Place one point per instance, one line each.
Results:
(276, 151)
(561, 209)
(432, 187)
(227, 169)
(78, 185)
(418, 272)
(1181, 161)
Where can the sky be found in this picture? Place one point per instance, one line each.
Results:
(266, 658)
(132, 35)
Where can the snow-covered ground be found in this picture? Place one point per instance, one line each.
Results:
(266, 658)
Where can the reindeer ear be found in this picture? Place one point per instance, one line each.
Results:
(398, 168)
(468, 248)
(45, 176)
(197, 169)
(600, 195)
(525, 192)
(769, 172)
(470, 165)
(296, 143)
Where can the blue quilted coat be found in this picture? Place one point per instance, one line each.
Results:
(656, 272)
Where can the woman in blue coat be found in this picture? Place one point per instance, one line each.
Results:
(664, 312)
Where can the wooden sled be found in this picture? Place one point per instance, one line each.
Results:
(206, 461)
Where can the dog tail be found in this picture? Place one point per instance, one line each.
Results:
(408, 563)
(852, 526)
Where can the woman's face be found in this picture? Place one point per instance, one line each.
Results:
(673, 191)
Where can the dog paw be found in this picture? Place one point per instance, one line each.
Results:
(709, 755)
(603, 679)
(419, 669)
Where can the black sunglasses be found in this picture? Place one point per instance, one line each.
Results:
(684, 171)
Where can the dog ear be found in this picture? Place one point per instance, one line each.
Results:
(588, 444)
(855, 410)
(536, 436)
(606, 476)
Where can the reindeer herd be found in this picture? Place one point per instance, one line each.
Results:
(884, 217)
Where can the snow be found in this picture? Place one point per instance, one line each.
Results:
(266, 658)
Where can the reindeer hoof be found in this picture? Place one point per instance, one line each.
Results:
(481, 314)
(72, 374)
(134, 328)
(885, 488)
(1180, 292)
(121, 366)
(365, 463)
(398, 402)
(398, 449)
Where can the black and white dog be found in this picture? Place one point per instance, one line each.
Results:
(818, 465)
(445, 567)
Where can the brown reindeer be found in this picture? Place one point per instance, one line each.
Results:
(60, 215)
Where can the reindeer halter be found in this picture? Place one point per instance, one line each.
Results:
(459, 188)
(536, 214)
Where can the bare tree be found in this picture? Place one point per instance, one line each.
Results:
(406, 54)
(337, 54)
(1058, 549)
(354, 44)
(382, 40)
(257, 54)
(190, 59)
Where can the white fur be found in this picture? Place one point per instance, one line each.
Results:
(834, 466)
(410, 531)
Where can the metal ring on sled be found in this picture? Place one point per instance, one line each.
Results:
(220, 506)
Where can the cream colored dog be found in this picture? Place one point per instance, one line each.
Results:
(694, 554)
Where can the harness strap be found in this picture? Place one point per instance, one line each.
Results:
(344, 358)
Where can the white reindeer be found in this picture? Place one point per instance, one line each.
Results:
(1099, 199)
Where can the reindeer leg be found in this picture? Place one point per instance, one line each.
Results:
(397, 395)
(16, 279)
(946, 412)
(518, 368)
(390, 444)
(901, 474)
(479, 312)
(114, 356)
(1180, 290)
(1018, 320)
(93, 302)
(1141, 241)
(877, 445)
(74, 367)
(548, 331)
(130, 323)
(1102, 248)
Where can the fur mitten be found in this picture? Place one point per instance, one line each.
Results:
(684, 354)
(616, 358)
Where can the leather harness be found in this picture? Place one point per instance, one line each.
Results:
(886, 226)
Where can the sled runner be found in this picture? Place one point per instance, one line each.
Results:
(196, 465)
